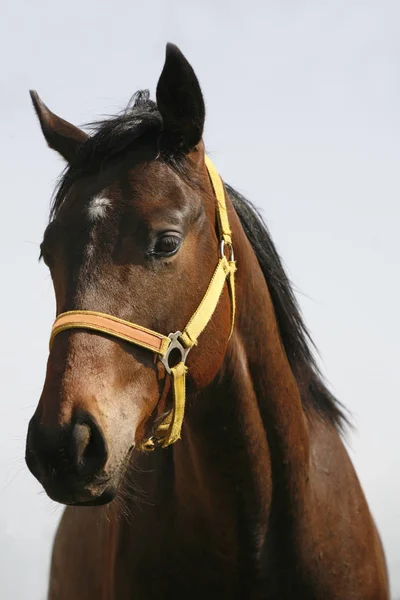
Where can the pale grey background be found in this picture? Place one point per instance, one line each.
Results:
(303, 103)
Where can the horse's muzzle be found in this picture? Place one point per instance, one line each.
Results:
(69, 461)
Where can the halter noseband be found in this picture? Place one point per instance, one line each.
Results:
(170, 429)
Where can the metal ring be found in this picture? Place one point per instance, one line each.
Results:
(222, 250)
(175, 344)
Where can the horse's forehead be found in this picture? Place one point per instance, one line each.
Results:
(146, 188)
(98, 206)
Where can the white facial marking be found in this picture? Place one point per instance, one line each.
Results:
(89, 250)
(97, 208)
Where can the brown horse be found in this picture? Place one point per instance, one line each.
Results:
(258, 499)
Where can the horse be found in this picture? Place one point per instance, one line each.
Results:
(205, 463)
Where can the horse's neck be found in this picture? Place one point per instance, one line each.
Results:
(248, 429)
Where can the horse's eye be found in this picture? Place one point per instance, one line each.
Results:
(167, 244)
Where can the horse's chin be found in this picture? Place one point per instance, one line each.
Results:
(93, 494)
(104, 498)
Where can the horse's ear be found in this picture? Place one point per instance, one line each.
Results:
(180, 102)
(60, 135)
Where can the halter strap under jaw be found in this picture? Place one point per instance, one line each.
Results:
(170, 429)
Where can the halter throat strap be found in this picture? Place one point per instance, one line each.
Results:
(170, 429)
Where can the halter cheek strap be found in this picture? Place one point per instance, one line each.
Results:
(170, 429)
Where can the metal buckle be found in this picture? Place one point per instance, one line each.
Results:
(222, 250)
(175, 344)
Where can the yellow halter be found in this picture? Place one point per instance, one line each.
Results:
(170, 429)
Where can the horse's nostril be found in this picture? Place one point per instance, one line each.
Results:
(80, 440)
(88, 449)
(78, 449)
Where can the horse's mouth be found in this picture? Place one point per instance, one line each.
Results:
(95, 493)
(104, 498)
(69, 489)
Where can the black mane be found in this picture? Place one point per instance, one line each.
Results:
(111, 139)
(295, 337)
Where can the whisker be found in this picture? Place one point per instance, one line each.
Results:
(13, 479)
